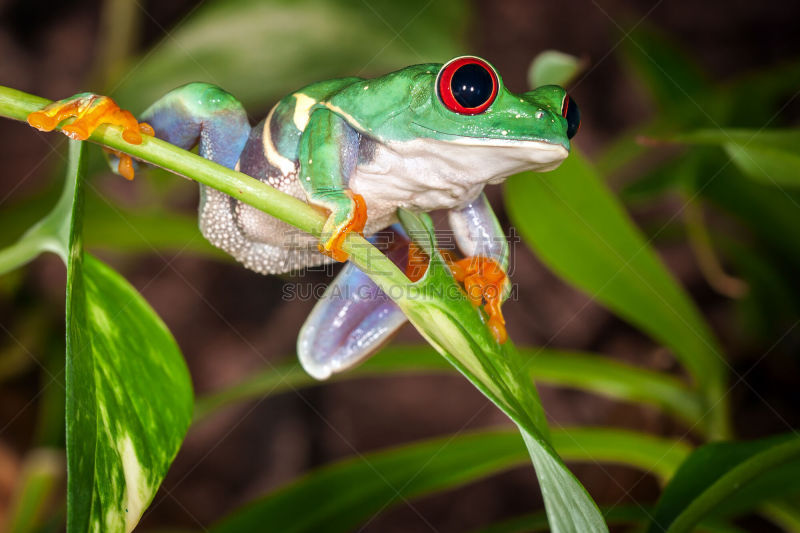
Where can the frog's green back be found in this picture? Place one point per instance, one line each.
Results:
(294, 107)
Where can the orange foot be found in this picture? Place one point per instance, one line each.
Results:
(417, 263)
(333, 246)
(484, 280)
(90, 111)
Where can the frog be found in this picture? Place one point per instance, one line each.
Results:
(424, 138)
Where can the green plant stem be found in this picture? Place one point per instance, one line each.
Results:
(707, 260)
(19, 253)
(18, 105)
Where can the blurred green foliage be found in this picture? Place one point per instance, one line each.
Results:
(261, 51)
(724, 149)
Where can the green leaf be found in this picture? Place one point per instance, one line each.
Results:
(614, 379)
(592, 372)
(129, 396)
(768, 156)
(687, 100)
(341, 496)
(730, 478)
(552, 67)
(261, 51)
(580, 230)
(441, 312)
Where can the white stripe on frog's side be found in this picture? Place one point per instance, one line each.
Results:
(302, 110)
(346, 116)
(284, 164)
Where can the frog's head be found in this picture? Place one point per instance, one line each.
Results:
(466, 103)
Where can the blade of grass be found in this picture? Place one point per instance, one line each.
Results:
(769, 156)
(347, 493)
(591, 372)
(730, 477)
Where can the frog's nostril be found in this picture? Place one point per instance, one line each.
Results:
(571, 112)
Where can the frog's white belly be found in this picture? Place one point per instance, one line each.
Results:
(427, 174)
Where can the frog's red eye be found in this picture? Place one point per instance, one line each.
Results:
(570, 111)
(467, 85)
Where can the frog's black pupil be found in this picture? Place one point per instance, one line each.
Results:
(471, 85)
(573, 116)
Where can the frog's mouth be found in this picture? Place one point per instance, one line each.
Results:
(483, 140)
(519, 154)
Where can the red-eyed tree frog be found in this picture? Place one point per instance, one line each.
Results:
(423, 138)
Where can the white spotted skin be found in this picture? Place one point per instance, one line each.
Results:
(260, 242)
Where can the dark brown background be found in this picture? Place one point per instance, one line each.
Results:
(228, 321)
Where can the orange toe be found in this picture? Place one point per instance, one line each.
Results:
(41, 121)
(483, 280)
(89, 112)
(333, 247)
(417, 263)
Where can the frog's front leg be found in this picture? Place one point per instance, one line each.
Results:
(355, 318)
(327, 156)
(483, 272)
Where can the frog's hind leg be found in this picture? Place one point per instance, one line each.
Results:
(483, 272)
(353, 319)
(205, 115)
